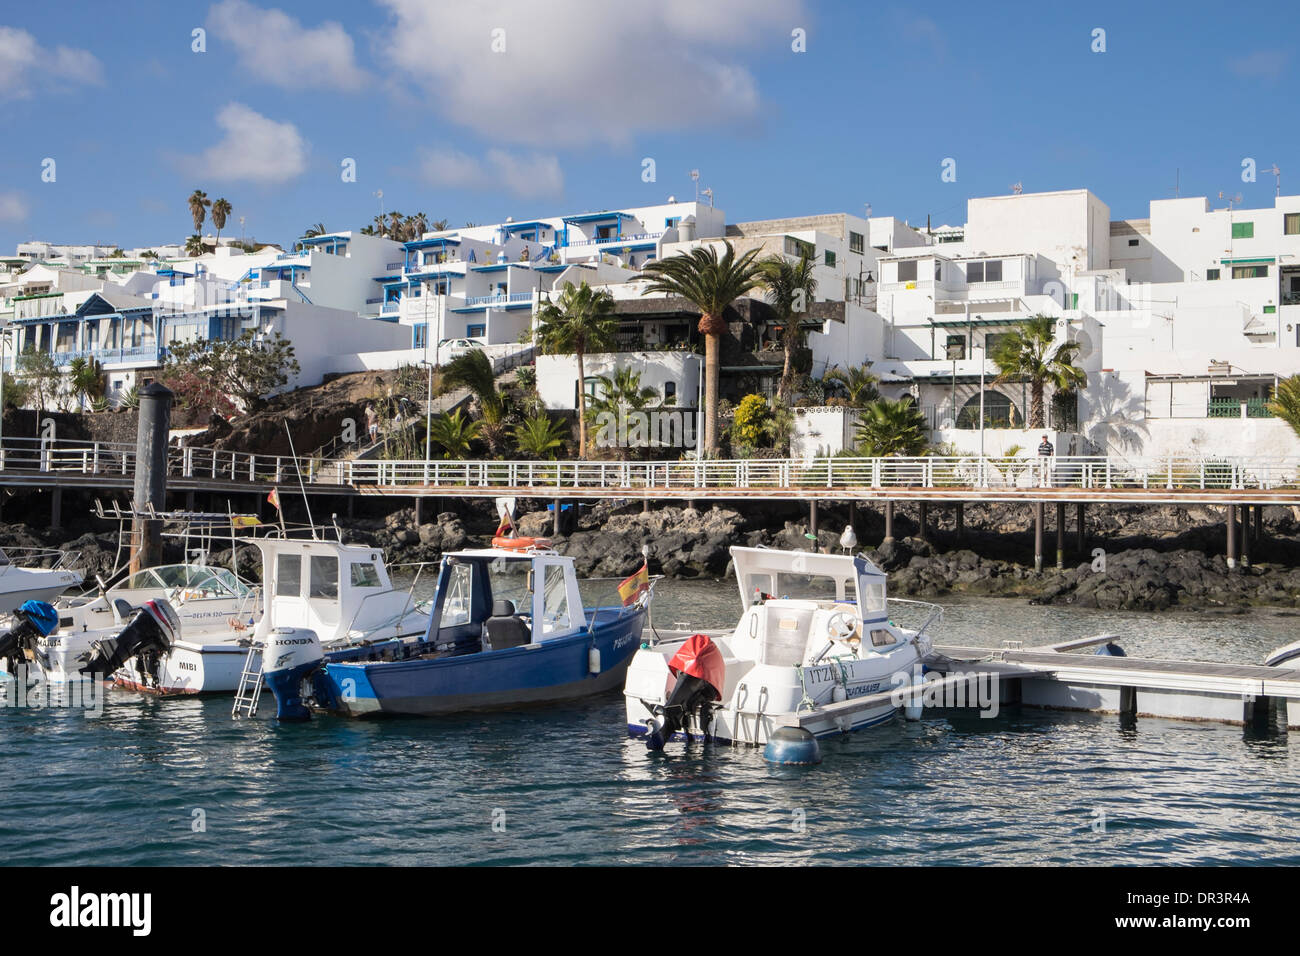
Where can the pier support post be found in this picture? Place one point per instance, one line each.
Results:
(189, 501)
(961, 519)
(1245, 536)
(645, 506)
(924, 533)
(352, 501)
(889, 520)
(812, 522)
(1060, 534)
(56, 507)
(556, 527)
(419, 510)
(150, 474)
(1259, 523)
(1080, 543)
(1232, 537)
(1038, 536)
(853, 515)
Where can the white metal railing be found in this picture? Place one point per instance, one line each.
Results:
(925, 472)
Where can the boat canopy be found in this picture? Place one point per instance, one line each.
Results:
(329, 587)
(811, 576)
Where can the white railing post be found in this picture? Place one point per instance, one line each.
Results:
(95, 466)
(1169, 472)
(830, 481)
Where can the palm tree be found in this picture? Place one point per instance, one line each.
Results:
(194, 245)
(316, 229)
(473, 370)
(199, 203)
(711, 284)
(790, 289)
(618, 392)
(86, 379)
(415, 226)
(581, 321)
(1028, 355)
(395, 220)
(1285, 403)
(539, 436)
(220, 210)
(438, 225)
(857, 382)
(453, 433)
(889, 427)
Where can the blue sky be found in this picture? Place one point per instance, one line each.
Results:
(562, 118)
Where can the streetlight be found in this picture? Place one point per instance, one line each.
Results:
(4, 337)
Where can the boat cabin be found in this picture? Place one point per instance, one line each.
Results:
(338, 590)
(494, 598)
(801, 607)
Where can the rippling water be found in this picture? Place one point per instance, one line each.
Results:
(565, 785)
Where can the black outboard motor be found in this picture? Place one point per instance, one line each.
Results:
(153, 628)
(34, 619)
(700, 673)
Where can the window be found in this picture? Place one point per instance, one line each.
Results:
(856, 243)
(830, 258)
(419, 335)
(907, 271)
(956, 347)
(938, 271)
(993, 271)
(1250, 272)
(1243, 230)
(672, 223)
(1211, 275)
(555, 601)
(1291, 224)
(476, 331)
(365, 575)
(670, 390)
(881, 637)
(1132, 242)
(324, 576)
(992, 340)
(288, 575)
(974, 272)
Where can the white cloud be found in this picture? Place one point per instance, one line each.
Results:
(275, 47)
(13, 207)
(25, 64)
(575, 72)
(527, 175)
(253, 148)
(1262, 64)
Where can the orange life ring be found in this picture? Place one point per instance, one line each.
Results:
(520, 544)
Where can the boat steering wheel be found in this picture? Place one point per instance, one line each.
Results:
(842, 625)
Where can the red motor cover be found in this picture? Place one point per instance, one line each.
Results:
(700, 657)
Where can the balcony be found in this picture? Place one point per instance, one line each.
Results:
(616, 240)
(1238, 408)
(513, 297)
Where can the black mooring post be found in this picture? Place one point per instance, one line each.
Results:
(961, 519)
(56, 508)
(889, 520)
(1060, 534)
(1038, 536)
(812, 522)
(924, 516)
(556, 526)
(1245, 536)
(853, 515)
(1259, 523)
(150, 474)
(1080, 542)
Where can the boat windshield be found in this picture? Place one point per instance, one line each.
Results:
(204, 581)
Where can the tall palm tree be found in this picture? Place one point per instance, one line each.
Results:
(1028, 355)
(453, 433)
(220, 210)
(473, 370)
(395, 220)
(438, 225)
(790, 287)
(711, 284)
(86, 379)
(199, 203)
(539, 436)
(889, 427)
(315, 229)
(1285, 403)
(620, 393)
(416, 226)
(857, 382)
(581, 321)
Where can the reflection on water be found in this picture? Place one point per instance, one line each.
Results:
(564, 784)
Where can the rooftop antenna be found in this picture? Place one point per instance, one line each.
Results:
(1277, 173)
(1177, 177)
(695, 175)
(1017, 188)
(303, 488)
(709, 193)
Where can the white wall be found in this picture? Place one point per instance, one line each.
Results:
(557, 374)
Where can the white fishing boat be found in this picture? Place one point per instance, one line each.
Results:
(23, 578)
(342, 592)
(814, 630)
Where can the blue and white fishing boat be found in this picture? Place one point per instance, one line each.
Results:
(507, 627)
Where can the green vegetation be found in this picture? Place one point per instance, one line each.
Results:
(230, 374)
(1285, 403)
(581, 321)
(1027, 355)
(891, 428)
(790, 288)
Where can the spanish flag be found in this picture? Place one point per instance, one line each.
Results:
(274, 498)
(636, 585)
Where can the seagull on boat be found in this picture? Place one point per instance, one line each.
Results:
(848, 540)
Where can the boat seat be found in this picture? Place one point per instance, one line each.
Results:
(504, 628)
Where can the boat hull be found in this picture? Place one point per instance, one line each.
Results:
(553, 670)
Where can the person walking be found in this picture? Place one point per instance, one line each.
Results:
(372, 423)
(1046, 451)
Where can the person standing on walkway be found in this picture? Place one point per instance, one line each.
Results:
(1046, 451)
(372, 423)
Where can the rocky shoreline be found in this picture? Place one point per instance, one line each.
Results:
(1135, 559)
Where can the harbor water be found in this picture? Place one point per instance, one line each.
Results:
(178, 781)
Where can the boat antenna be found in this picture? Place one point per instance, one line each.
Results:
(298, 470)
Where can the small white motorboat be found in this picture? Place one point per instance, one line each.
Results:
(814, 631)
(19, 584)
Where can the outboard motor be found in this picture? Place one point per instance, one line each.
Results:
(34, 620)
(701, 674)
(290, 656)
(153, 628)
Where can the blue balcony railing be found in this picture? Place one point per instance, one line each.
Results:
(499, 299)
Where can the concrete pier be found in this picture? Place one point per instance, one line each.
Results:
(1038, 536)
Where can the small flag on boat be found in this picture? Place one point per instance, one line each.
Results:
(634, 586)
(245, 521)
(274, 498)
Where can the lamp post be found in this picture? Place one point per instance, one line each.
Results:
(4, 338)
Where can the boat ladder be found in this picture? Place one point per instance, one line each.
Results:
(251, 681)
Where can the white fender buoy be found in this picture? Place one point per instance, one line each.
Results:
(593, 660)
(912, 709)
